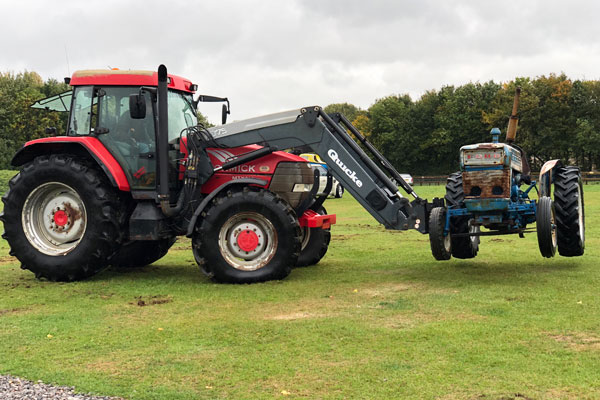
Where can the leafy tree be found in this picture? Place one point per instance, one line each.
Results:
(362, 122)
(203, 120)
(586, 107)
(18, 122)
(350, 111)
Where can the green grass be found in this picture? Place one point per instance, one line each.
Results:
(5, 176)
(377, 318)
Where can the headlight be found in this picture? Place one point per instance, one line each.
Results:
(302, 187)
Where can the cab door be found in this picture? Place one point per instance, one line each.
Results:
(131, 141)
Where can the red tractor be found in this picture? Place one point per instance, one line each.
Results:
(101, 195)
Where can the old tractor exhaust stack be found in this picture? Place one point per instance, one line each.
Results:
(511, 132)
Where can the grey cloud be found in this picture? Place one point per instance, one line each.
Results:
(272, 55)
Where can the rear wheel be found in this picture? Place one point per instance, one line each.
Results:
(247, 236)
(62, 218)
(441, 245)
(314, 245)
(138, 253)
(546, 227)
(465, 246)
(570, 213)
(462, 246)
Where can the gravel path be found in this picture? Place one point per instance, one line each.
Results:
(12, 388)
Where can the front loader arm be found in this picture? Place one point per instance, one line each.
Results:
(347, 161)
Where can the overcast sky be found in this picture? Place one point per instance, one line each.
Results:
(273, 55)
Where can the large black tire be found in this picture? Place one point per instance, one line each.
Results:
(62, 218)
(546, 227)
(455, 195)
(268, 253)
(441, 245)
(463, 246)
(138, 253)
(570, 212)
(315, 242)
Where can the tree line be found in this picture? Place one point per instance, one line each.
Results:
(559, 118)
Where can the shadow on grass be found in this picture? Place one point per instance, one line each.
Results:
(460, 272)
(155, 272)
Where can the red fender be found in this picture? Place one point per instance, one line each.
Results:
(67, 144)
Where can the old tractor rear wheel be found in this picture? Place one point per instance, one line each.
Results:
(441, 245)
(570, 212)
(62, 218)
(315, 242)
(546, 227)
(246, 236)
(138, 253)
(462, 246)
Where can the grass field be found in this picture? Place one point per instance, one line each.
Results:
(377, 318)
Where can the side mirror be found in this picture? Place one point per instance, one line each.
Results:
(137, 106)
(51, 130)
(224, 112)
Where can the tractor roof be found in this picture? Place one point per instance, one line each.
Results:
(127, 78)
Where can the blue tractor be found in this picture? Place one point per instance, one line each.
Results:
(492, 190)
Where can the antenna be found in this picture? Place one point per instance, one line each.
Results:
(67, 57)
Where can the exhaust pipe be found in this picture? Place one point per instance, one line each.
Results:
(162, 153)
(511, 132)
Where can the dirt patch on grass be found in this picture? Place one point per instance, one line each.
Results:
(345, 237)
(110, 367)
(7, 260)
(15, 285)
(404, 321)
(294, 316)
(382, 290)
(390, 289)
(561, 394)
(151, 301)
(513, 396)
(12, 311)
(578, 341)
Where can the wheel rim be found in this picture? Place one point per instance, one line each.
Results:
(580, 214)
(448, 243)
(553, 227)
(474, 229)
(305, 237)
(54, 218)
(248, 241)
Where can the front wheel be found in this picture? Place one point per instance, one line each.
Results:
(462, 246)
(465, 246)
(339, 191)
(315, 242)
(546, 227)
(441, 244)
(246, 236)
(62, 218)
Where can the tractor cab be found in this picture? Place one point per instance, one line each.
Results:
(100, 108)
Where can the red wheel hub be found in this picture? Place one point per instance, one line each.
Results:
(247, 240)
(61, 218)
